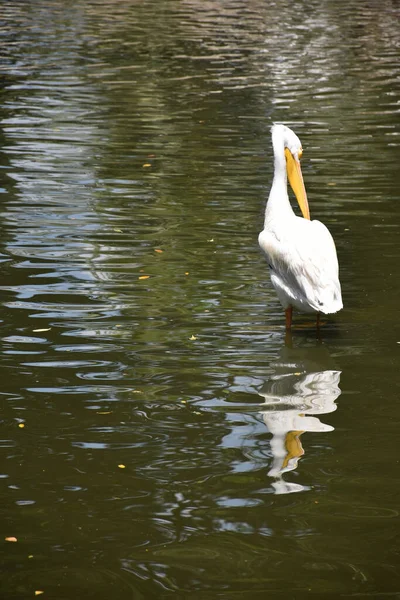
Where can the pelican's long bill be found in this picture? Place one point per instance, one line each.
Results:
(296, 182)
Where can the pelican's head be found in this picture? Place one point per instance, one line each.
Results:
(293, 152)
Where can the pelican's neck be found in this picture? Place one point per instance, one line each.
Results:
(278, 204)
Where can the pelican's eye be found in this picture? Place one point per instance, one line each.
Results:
(300, 153)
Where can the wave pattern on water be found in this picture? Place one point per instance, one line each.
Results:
(155, 420)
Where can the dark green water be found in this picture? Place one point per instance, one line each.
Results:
(139, 327)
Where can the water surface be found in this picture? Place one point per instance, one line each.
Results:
(161, 434)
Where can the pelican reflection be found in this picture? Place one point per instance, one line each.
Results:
(300, 390)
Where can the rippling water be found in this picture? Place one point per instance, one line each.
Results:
(161, 435)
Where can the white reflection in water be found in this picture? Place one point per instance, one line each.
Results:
(293, 397)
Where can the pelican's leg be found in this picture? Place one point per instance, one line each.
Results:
(289, 313)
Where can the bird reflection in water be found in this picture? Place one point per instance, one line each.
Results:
(302, 388)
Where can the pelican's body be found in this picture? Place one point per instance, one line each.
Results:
(301, 253)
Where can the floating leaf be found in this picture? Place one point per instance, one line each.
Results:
(11, 539)
(21, 425)
(39, 330)
(121, 466)
(117, 230)
(146, 165)
(104, 412)
(193, 337)
(38, 592)
(158, 250)
(144, 277)
(187, 273)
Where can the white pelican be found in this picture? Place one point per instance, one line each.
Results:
(301, 253)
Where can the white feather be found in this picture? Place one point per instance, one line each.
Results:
(301, 254)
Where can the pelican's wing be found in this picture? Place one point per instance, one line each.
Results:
(304, 264)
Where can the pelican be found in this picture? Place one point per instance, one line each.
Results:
(301, 253)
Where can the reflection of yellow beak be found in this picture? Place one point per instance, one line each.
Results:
(293, 447)
(296, 182)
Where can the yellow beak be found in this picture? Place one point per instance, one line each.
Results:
(296, 182)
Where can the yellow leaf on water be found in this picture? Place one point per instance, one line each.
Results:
(104, 412)
(187, 273)
(11, 539)
(158, 250)
(38, 592)
(146, 165)
(121, 466)
(144, 277)
(193, 337)
(21, 425)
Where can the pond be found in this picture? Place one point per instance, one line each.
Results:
(162, 435)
